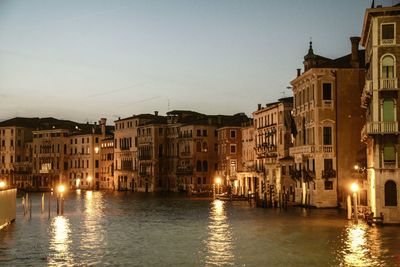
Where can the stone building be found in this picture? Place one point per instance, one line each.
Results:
(230, 156)
(84, 159)
(272, 127)
(327, 120)
(49, 158)
(152, 156)
(126, 151)
(107, 163)
(248, 171)
(15, 166)
(381, 38)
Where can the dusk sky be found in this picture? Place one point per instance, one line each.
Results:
(82, 60)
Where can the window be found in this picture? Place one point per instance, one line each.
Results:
(198, 166)
(198, 132)
(328, 164)
(387, 34)
(205, 165)
(198, 147)
(328, 185)
(233, 134)
(233, 149)
(204, 132)
(387, 67)
(327, 135)
(326, 91)
(388, 110)
(390, 193)
(283, 170)
(389, 153)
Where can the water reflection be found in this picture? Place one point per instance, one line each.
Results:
(60, 242)
(94, 234)
(362, 246)
(220, 242)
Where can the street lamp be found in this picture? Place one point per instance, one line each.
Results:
(354, 188)
(2, 184)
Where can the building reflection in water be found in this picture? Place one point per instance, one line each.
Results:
(60, 242)
(94, 234)
(219, 244)
(362, 246)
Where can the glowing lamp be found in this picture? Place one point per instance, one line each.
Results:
(2, 184)
(354, 187)
(61, 189)
(218, 180)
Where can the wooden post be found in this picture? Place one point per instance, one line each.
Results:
(349, 207)
(30, 209)
(42, 203)
(49, 207)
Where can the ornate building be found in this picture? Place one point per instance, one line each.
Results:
(381, 38)
(327, 120)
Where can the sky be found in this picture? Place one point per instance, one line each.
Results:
(86, 59)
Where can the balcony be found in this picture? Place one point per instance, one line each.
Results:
(184, 170)
(388, 84)
(301, 149)
(330, 173)
(388, 41)
(380, 127)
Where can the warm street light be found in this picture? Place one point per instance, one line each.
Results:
(354, 187)
(61, 189)
(356, 167)
(218, 181)
(2, 184)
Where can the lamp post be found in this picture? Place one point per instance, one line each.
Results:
(2, 184)
(354, 189)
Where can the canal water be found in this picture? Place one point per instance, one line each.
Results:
(133, 229)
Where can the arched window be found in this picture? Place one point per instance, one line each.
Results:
(205, 165)
(387, 67)
(390, 193)
(205, 147)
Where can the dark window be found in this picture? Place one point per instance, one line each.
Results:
(198, 166)
(198, 180)
(96, 164)
(328, 185)
(233, 134)
(233, 149)
(390, 193)
(205, 166)
(387, 31)
(283, 168)
(326, 91)
(327, 135)
(204, 180)
(328, 164)
(198, 132)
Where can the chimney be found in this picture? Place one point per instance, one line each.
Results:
(102, 123)
(298, 72)
(259, 107)
(354, 51)
(156, 113)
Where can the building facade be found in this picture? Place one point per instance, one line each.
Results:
(381, 38)
(327, 119)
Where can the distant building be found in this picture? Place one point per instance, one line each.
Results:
(248, 171)
(272, 127)
(381, 38)
(327, 120)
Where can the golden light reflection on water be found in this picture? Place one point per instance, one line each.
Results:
(94, 235)
(60, 241)
(362, 246)
(219, 244)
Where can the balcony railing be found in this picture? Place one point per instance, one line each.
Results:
(330, 173)
(184, 170)
(380, 127)
(301, 149)
(388, 84)
(388, 41)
